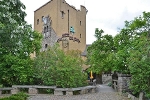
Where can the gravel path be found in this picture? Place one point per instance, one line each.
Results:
(93, 96)
(103, 93)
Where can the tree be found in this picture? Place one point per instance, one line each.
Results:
(139, 58)
(17, 42)
(122, 43)
(100, 53)
(99, 50)
(139, 65)
(55, 67)
(132, 55)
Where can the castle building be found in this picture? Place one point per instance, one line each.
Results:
(60, 22)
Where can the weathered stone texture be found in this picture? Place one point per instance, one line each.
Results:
(0, 92)
(69, 92)
(123, 82)
(33, 91)
(58, 92)
(14, 91)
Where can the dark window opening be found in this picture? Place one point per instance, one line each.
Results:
(68, 21)
(80, 22)
(37, 21)
(44, 29)
(62, 14)
(47, 28)
(80, 35)
(42, 18)
(46, 45)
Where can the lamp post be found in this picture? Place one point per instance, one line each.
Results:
(91, 76)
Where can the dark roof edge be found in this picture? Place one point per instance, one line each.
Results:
(65, 2)
(43, 5)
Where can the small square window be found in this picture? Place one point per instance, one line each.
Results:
(80, 36)
(37, 21)
(42, 18)
(46, 45)
(80, 22)
(62, 14)
(47, 29)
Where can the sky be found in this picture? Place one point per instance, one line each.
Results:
(108, 15)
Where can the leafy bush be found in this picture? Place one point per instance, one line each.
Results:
(19, 96)
(55, 67)
(17, 42)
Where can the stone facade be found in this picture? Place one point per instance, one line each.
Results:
(14, 91)
(123, 82)
(49, 35)
(62, 17)
(33, 91)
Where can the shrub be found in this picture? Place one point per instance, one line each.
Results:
(55, 67)
(19, 96)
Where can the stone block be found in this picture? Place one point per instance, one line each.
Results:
(132, 97)
(82, 92)
(86, 91)
(14, 91)
(89, 90)
(141, 96)
(0, 92)
(123, 83)
(93, 90)
(69, 92)
(33, 91)
(129, 95)
(58, 92)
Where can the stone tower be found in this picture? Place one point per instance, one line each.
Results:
(62, 17)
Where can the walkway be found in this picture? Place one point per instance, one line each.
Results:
(103, 93)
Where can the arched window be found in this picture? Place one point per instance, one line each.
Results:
(47, 28)
(44, 29)
(37, 21)
(46, 45)
(80, 23)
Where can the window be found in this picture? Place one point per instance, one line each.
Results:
(37, 21)
(46, 45)
(42, 18)
(80, 22)
(62, 14)
(47, 28)
(80, 35)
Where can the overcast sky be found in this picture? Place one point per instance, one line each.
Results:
(108, 15)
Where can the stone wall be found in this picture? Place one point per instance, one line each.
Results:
(49, 35)
(123, 82)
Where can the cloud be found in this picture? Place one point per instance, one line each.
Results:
(110, 15)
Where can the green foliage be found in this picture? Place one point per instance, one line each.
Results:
(54, 67)
(17, 42)
(128, 53)
(100, 53)
(19, 96)
(139, 58)
(132, 52)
